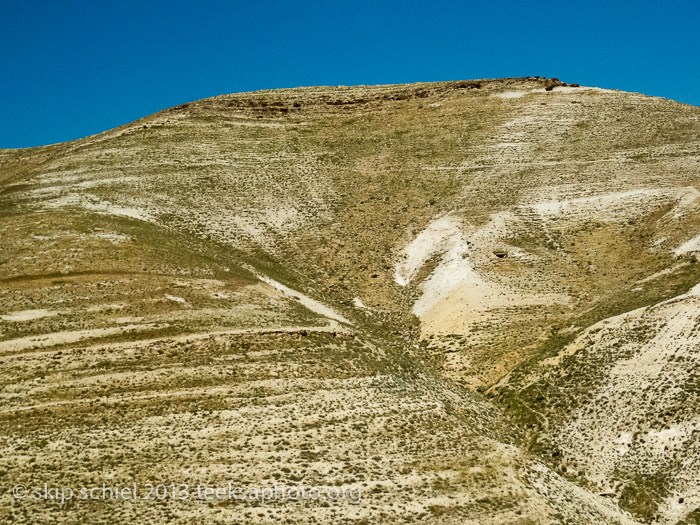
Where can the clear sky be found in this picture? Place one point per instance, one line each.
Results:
(73, 68)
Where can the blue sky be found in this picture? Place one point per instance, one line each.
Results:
(71, 69)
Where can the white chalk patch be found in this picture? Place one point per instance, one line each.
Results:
(358, 303)
(693, 245)
(510, 94)
(174, 298)
(441, 235)
(27, 315)
(308, 302)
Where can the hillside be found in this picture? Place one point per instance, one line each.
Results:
(474, 301)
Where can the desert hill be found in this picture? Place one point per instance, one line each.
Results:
(474, 300)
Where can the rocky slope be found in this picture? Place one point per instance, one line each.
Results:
(471, 301)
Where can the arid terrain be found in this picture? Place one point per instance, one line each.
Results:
(476, 302)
